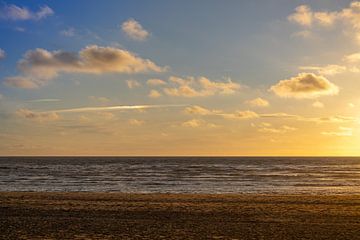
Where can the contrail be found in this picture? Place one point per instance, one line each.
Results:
(44, 100)
(111, 108)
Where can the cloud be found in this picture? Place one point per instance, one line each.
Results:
(349, 17)
(154, 94)
(134, 30)
(37, 116)
(258, 102)
(2, 54)
(304, 85)
(329, 70)
(69, 32)
(302, 16)
(268, 128)
(135, 122)
(352, 58)
(42, 100)
(195, 123)
(197, 110)
(241, 115)
(16, 13)
(39, 66)
(99, 99)
(318, 104)
(199, 87)
(21, 82)
(112, 108)
(200, 111)
(342, 132)
(155, 82)
(132, 84)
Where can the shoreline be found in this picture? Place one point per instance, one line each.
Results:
(89, 215)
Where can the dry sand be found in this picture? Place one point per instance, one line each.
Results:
(177, 216)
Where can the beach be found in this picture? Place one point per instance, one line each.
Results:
(40, 215)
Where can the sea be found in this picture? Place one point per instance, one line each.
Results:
(213, 175)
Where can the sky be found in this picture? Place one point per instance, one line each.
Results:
(212, 78)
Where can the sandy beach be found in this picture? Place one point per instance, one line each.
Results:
(177, 216)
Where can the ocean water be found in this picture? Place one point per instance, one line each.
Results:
(295, 175)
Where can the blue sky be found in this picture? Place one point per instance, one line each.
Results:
(227, 57)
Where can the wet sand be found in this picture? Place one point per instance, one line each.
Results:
(177, 216)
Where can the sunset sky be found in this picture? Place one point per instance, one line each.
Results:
(164, 77)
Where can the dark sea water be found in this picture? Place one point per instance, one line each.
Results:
(182, 174)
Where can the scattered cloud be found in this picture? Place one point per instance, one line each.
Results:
(241, 115)
(37, 116)
(199, 87)
(39, 66)
(135, 122)
(197, 110)
(268, 128)
(99, 99)
(318, 104)
(132, 84)
(45, 100)
(351, 105)
(258, 102)
(195, 123)
(325, 70)
(2, 54)
(305, 85)
(154, 94)
(302, 16)
(112, 108)
(352, 58)
(16, 13)
(134, 30)
(342, 132)
(155, 82)
(69, 32)
(21, 82)
(349, 17)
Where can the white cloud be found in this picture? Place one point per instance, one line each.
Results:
(349, 17)
(132, 84)
(303, 16)
(304, 85)
(196, 123)
(69, 32)
(258, 102)
(39, 66)
(136, 122)
(197, 110)
(99, 99)
(342, 132)
(21, 82)
(154, 94)
(36, 116)
(328, 70)
(268, 128)
(352, 58)
(16, 13)
(155, 82)
(199, 87)
(318, 104)
(112, 108)
(2, 54)
(134, 30)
